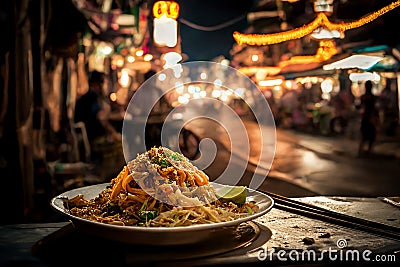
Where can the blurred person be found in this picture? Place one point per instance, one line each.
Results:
(342, 105)
(299, 112)
(93, 110)
(287, 103)
(369, 119)
(387, 101)
(299, 117)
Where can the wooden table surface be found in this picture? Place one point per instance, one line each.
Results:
(283, 240)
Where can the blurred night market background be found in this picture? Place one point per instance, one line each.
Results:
(58, 56)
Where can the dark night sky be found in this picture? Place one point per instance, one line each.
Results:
(205, 45)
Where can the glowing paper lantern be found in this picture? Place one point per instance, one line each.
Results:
(165, 25)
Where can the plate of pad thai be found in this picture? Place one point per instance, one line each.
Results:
(160, 198)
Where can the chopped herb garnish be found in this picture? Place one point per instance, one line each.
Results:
(164, 163)
(148, 214)
(176, 156)
(249, 210)
(144, 205)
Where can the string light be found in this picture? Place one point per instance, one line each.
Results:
(320, 21)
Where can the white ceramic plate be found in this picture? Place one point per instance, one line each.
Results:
(156, 235)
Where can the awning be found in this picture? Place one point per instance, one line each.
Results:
(363, 62)
(390, 60)
(314, 72)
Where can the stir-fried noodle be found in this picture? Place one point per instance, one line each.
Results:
(159, 188)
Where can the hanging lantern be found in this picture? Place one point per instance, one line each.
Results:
(168, 8)
(165, 25)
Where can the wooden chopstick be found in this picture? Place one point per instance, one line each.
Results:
(341, 219)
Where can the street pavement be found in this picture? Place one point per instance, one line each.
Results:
(330, 165)
(308, 164)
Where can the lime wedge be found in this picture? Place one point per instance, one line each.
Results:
(235, 194)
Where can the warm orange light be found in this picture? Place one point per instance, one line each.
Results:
(173, 10)
(160, 8)
(113, 97)
(168, 8)
(266, 70)
(320, 21)
(325, 51)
